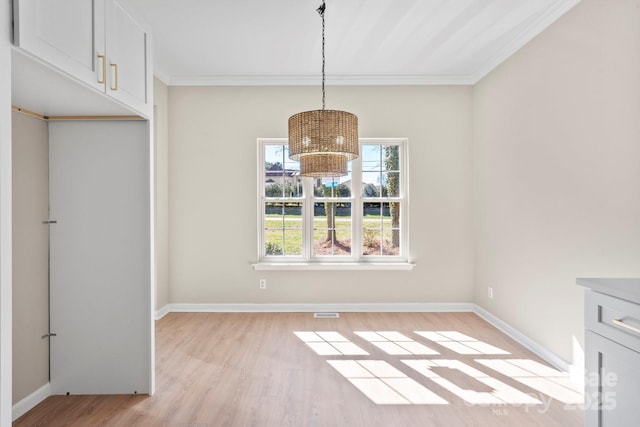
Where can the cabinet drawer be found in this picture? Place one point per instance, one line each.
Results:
(617, 319)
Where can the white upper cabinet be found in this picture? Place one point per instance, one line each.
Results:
(60, 32)
(97, 42)
(127, 44)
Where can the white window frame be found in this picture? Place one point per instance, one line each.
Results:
(355, 261)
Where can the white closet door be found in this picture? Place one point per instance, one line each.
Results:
(100, 258)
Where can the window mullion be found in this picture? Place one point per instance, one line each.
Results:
(308, 218)
(261, 200)
(356, 209)
(404, 200)
(261, 224)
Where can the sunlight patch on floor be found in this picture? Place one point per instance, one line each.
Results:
(460, 343)
(394, 343)
(501, 393)
(384, 384)
(539, 377)
(330, 343)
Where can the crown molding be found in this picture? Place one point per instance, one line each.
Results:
(161, 75)
(349, 80)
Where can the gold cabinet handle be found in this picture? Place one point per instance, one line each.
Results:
(114, 69)
(102, 70)
(621, 323)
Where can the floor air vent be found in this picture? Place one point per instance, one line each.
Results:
(326, 315)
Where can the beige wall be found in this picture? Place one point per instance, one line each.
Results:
(556, 161)
(548, 142)
(30, 255)
(161, 147)
(213, 197)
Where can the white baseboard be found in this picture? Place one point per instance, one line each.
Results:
(524, 340)
(30, 402)
(163, 311)
(310, 308)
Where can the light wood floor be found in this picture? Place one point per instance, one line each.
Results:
(242, 369)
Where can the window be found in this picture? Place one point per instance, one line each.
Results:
(360, 218)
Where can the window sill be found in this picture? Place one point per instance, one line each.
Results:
(366, 266)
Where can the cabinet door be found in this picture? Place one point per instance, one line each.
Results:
(61, 32)
(612, 383)
(128, 58)
(100, 258)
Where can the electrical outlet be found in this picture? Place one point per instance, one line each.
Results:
(490, 292)
(263, 283)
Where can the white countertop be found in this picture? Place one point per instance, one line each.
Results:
(628, 289)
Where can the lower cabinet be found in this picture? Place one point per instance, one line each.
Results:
(612, 384)
(612, 352)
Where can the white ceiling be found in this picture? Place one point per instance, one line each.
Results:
(257, 42)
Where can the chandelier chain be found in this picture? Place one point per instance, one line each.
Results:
(321, 10)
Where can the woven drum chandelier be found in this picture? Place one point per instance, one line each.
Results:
(323, 140)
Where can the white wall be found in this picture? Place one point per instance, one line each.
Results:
(5, 213)
(556, 171)
(213, 196)
(161, 148)
(30, 254)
